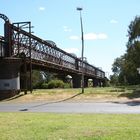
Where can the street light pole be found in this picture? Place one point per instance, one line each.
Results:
(82, 54)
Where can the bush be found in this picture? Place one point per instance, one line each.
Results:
(56, 84)
(44, 86)
(67, 85)
(37, 85)
(52, 84)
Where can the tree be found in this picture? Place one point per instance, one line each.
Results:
(119, 69)
(125, 67)
(37, 78)
(118, 64)
(134, 30)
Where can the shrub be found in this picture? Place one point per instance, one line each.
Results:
(67, 85)
(56, 84)
(37, 85)
(44, 86)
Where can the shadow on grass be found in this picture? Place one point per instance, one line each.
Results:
(129, 103)
(131, 95)
(134, 94)
(12, 98)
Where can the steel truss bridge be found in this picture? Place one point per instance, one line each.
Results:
(33, 52)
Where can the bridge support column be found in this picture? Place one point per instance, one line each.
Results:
(98, 82)
(9, 77)
(95, 82)
(24, 78)
(103, 83)
(85, 82)
(76, 79)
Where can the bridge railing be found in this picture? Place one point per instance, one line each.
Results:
(36, 48)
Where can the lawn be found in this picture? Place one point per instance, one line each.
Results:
(49, 126)
(89, 94)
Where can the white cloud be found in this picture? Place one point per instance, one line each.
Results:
(71, 50)
(113, 21)
(90, 36)
(41, 8)
(93, 36)
(74, 37)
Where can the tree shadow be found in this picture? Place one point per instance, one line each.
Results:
(134, 94)
(129, 103)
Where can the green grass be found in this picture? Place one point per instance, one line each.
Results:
(107, 93)
(88, 91)
(49, 126)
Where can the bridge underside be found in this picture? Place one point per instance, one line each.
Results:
(13, 75)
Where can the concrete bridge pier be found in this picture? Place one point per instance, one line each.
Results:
(95, 82)
(9, 77)
(76, 80)
(98, 83)
(85, 82)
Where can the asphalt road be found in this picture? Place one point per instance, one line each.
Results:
(69, 107)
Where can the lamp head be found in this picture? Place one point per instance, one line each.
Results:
(79, 8)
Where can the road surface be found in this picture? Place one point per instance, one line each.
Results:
(72, 107)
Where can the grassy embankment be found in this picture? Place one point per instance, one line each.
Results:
(52, 126)
(90, 94)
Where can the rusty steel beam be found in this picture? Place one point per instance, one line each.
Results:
(42, 51)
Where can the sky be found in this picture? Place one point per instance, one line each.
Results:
(105, 25)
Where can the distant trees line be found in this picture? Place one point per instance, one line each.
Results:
(125, 67)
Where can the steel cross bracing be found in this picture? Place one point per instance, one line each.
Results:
(45, 55)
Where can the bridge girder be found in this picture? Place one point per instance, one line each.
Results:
(38, 53)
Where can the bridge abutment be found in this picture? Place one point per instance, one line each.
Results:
(9, 77)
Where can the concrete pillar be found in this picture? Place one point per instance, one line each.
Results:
(104, 83)
(85, 82)
(9, 77)
(99, 83)
(24, 78)
(76, 79)
(95, 82)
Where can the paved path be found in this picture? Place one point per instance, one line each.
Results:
(67, 107)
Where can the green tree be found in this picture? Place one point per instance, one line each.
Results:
(125, 67)
(134, 30)
(37, 78)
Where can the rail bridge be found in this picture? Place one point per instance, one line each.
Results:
(21, 52)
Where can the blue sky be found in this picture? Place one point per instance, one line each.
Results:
(105, 25)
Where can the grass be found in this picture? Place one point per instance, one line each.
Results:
(88, 91)
(98, 90)
(90, 94)
(49, 126)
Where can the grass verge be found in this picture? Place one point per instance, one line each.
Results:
(107, 93)
(49, 126)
